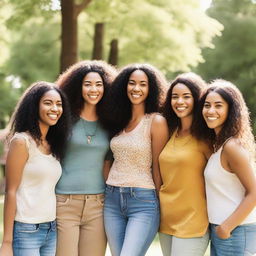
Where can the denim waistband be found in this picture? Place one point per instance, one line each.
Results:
(82, 196)
(241, 225)
(44, 225)
(127, 189)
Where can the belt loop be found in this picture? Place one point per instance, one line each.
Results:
(131, 191)
(53, 225)
(70, 197)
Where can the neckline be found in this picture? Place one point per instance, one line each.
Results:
(181, 137)
(88, 121)
(136, 127)
(41, 153)
(221, 147)
(47, 155)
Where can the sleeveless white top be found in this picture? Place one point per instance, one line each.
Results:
(132, 166)
(224, 191)
(35, 197)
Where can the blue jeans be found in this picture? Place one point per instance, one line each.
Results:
(131, 219)
(241, 243)
(34, 239)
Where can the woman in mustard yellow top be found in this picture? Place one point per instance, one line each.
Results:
(184, 221)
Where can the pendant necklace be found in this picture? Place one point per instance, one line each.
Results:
(89, 134)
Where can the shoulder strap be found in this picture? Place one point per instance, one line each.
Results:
(21, 135)
(149, 119)
(225, 142)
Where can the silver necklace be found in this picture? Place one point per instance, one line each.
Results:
(89, 135)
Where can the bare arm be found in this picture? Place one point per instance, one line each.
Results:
(106, 168)
(237, 161)
(16, 160)
(159, 136)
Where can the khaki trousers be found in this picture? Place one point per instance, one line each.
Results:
(80, 225)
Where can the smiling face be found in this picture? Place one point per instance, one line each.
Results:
(50, 108)
(215, 111)
(93, 88)
(137, 87)
(182, 101)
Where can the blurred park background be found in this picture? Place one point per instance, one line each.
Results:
(41, 38)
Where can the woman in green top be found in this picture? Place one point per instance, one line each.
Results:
(80, 191)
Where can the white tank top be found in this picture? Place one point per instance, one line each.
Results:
(35, 197)
(132, 151)
(224, 191)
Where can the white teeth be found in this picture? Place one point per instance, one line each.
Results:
(211, 118)
(136, 96)
(181, 108)
(93, 96)
(53, 116)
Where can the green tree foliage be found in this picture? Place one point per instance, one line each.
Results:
(8, 99)
(34, 52)
(234, 55)
(25, 9)
(169, 34)
(5, 12)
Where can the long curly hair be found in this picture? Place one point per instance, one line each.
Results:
(119, 107)
(71, 82)
(196, 85)
(26, 118)
(237, 124)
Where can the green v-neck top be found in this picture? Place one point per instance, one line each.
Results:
(82, 167)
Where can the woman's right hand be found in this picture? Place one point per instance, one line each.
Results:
(6, 249)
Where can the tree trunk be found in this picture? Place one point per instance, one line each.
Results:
(69, 42)
(113, 54)
(68, 34)
(97, 53)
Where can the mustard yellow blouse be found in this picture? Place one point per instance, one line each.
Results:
(182, 195)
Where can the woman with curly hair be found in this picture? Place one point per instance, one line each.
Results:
(229, 174)
(131, 210)
(184, 223)
(80, 190)
(39, 127)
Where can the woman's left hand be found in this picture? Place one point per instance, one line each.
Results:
(222, 232)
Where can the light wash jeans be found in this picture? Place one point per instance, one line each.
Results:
(34, 239)
(241, 243)
(175, 246)
(131, 218)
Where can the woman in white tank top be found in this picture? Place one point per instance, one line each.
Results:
(38, 132)
(229, 175)
(131, 210)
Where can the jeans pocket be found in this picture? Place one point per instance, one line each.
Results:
(146, 196)
(101, 200)
(62, 199)
(250, 233)
(216, 235)
(21, 227)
